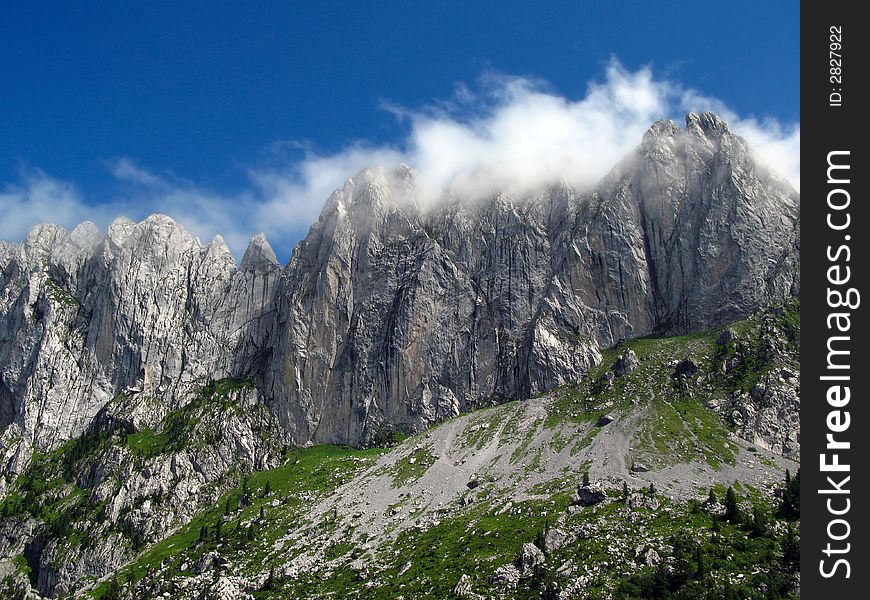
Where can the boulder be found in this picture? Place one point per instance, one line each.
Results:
(605, 420)
(530, 557)
(685, 368)
(554, 539)
(588, 494)
(726, 337)
(462, 589)
(506, 576)
(626, 363)
(652, 558)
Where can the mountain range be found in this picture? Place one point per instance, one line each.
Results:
(394, 314)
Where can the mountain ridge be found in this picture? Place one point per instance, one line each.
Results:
(147, 379)
(499, 298)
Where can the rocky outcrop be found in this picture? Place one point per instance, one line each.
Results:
(85, 316)
(427, 310)
(128, 486)
(763, 371)
(588, 494)
(625, 364)
(530, 558)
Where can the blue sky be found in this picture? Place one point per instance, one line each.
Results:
(198, 108)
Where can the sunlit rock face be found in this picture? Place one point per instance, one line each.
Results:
(394, 312)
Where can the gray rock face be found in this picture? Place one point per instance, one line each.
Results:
(393, 313)
(426, 310)
(85, 316)
(530, 557)
(588, 494)
(626, 363)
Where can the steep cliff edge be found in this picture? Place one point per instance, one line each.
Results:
(423, 311)
(144, 375)
(394, 312)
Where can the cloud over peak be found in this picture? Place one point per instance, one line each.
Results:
(510, 133)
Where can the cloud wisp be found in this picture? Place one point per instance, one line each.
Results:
(513, 133)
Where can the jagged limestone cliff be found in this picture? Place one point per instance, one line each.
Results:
(401, 314)
(394, 313)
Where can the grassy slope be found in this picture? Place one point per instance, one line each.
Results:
(426, 562)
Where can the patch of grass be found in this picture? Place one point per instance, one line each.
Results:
(146, 443)
(338, 550)
(413, 466)
(60, 295)
(484, 425)
(306, 475)
(585, 440)
(21, 563)
(684, 430)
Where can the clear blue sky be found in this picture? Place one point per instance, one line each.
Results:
(203, 89)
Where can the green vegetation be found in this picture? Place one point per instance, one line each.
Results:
(60, 295)
(412, 467)
(250, 531)
(21, 563)
(178, 427)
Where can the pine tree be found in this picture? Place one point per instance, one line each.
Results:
(246, 489)
(732, 508)
(268, 488)
(585, 478)
(269, 584)
(712, 498)
(791, 550)
(625, 493)
(113, 592)
(790, 506)
(542, 534)
(759, 522)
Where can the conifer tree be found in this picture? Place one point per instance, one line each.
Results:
(732, 508)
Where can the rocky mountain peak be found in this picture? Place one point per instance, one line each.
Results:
(389, 315)
(119, 229)
(41, 240)
(707, 123)
(663, 128)
(259, 255)
(86, 235)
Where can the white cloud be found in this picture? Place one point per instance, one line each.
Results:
(513, 133)
(36, 199)
(774, 143)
